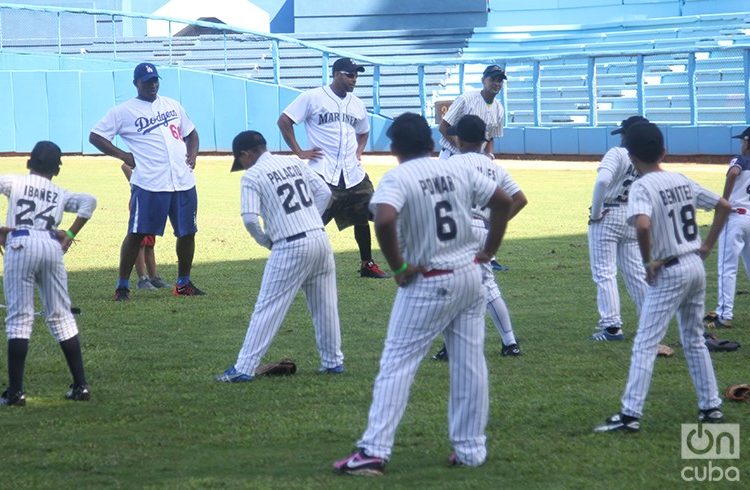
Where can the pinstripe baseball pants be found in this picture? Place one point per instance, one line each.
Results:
(681, 289)
(36, 259)
(306, 263)
(453, 304)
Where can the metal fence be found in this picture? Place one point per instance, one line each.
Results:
(686, 85)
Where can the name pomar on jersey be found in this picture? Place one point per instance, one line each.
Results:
(437, 185)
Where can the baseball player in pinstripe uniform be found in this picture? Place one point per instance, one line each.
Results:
(662, 207)
(612, 241)
(482, 103)
(734, 241)
(470, 131)
(423, 224)
(290, 198)
(337, 127)
(34, 249)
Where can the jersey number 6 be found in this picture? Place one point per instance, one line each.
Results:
(446, 226)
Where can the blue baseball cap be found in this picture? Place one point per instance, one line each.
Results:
(145, 71)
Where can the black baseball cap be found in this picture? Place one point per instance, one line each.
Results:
(347, 65)
(494, 71)
(145, 71)
(745, 135)
(45, 157)
(469, 128)
(245, 141)
(629, 122)
(645, 140)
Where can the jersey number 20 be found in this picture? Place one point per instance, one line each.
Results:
(288, 192)
(688, 226)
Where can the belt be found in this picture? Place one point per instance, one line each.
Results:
(298, 236)
(17, 233)
(739, 210)
(611, 204)
(437, 272)
(671, 262)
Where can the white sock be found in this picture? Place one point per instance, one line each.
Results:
(501, 318)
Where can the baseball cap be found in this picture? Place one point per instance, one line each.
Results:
(45, 157)
(145, 71)
(347, 65)
(629, 122)
(645, 140)
(245, 141)
(469, 128)
(493, 71)
(745, 135)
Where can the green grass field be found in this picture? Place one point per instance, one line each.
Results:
(157, 418)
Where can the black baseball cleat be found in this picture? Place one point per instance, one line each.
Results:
(17, 399)
(360, 464)
(512, 350)
(619, 422)
(79, 393)
(711, 416)
(372, 270)
(122, 294)
(442, 354)
(188, 289)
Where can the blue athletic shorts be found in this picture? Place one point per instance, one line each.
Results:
(149, 211)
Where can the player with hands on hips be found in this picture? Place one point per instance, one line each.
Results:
(734, 241)
(612, 241)
(662, 207)
(337, 126)
(290, 197)
(423, 224)
(164, 145)
(34, 249)
(470, 132)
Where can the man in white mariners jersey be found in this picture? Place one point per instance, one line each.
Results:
(612, 241)
(423, 224)
(662, 207)
(470, 131)
(484, 104)
(34, 256)
(164, 145)
(734, 241)
(337, 127)
(290, 197)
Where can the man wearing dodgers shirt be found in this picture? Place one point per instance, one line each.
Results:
(163, 147)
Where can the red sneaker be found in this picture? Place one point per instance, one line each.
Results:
(188, 289)
(371, 269)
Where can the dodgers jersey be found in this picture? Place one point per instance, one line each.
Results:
(488, 168)
(670, 200)
(35, 203)
(332, 124)
(740, 196)
(473, 103)
(433, 199)
(286, 193)
(154, 133)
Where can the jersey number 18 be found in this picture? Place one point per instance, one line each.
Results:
(686, 223)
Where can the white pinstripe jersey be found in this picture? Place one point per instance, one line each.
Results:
(332, 124)
(473, 103)
(740, 196)
(490, 169)
(285, 192)
(35, 203)
(434, 199)
(617, 161)
(670, 200)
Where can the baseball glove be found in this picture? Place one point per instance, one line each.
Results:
(284, 367)
(665, 351)
(738, 393)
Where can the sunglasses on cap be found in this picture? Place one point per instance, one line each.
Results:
(350, 75)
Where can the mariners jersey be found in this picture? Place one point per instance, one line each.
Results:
(488, 168)
(473, 103)
(434, 200)
(286, 193)
(740, 196)
(332, 124)
(670, 200)
(154, 133)
(35, 203)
